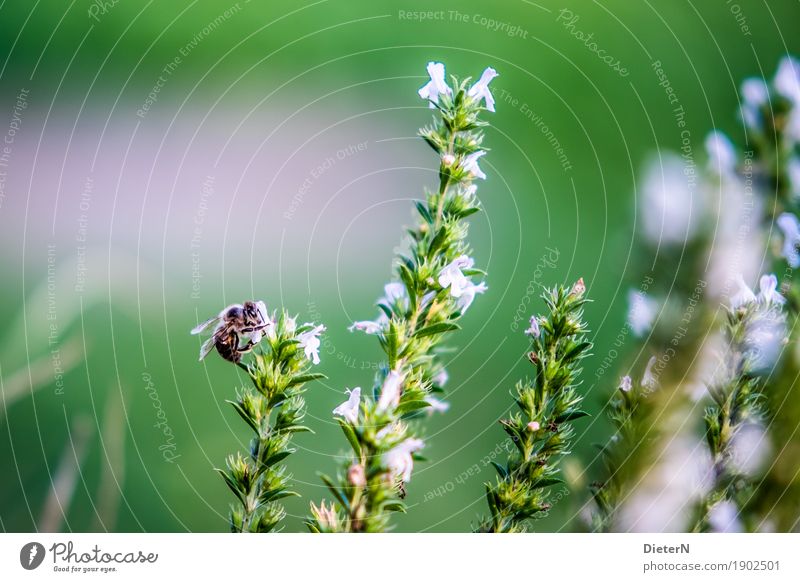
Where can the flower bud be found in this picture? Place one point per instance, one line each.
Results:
(579, 288)
(448, 160)
(356, 475)
(533, 426)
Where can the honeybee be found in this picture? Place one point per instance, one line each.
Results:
(238, 329)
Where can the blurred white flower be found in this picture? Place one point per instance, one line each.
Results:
(468, 295)
(390, 391)
(768, 290)
(310, 343)
(480, 90)
(370, 327)
(349, 410)
(436, 405)
(625, 384)
(790, 227)
(755, 94)
(394, 292)
(533, 426)
(451, 275)
(793, 170)
(642, 312)
(399, 460)
(764, 339)
(742, 294)
(750, 449)
(441, 378)
(722, 156)
(649, 380)
(724, 518)
(670, 209)
(470, 164)
(436, 86)
(787, 79)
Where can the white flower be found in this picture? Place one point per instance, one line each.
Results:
(399, 460)
(436, 86)
(533, 426)
(722, 157)
(448, 159)
(743, 294)
(468, 295)
(451, 275)
(724, 518)
(642, 311)
(769, 293)
(480, 90)
(349, 410)
(437, 405)
(670, 208)
(764, 339)
(649, 379)
(310, 343)
(390, 391)
(793, 169)
(395, 291)
(533, 330)
(441, 378)
(369, 327)
(787, 79)
(790, 227)
(750, 449)
(625, 384)
(756, 94)
(470, 164)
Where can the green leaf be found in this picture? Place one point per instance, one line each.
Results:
(246, 417)
(500, 469)
(352, 438)
(466, 212)
(395, 506)
(571, 415)
(423, 211)
(336, 492)
(277, 458)
(411, 406)
(546, 482)
(576, 350)
(231, 484)
(304, 378)
(437, 328)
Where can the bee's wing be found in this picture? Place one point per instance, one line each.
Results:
(207, 346)
(204, 325)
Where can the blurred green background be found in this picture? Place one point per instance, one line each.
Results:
(171, 158)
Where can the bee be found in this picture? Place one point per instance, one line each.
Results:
(238, 329)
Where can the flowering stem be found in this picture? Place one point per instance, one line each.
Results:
(433, 290)
(548, 403)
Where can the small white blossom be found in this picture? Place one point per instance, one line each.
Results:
(437, 405)
(768, 290)
(310, 342)
(724, 518)
(533, 330)
(399, 460)
(451, 275)
(470, 164)
(480, 90)
(722, 157)
(436, 86)
(750, 449)
(642, 312)
(533, 426)
(468, 295)
(349, 410)
(390, 391)
(448, 159)
(626, 384)
(670, 209)
(787, 79)
(790, 227)
(743, 294)
(756, 94)
(793, 170)
(649, 379)
(441, 378)
(369, 327)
